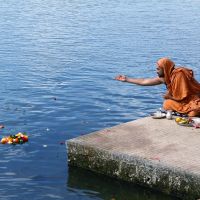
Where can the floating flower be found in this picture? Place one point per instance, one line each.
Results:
(18, 138)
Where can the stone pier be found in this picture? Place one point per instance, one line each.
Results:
(156, 153)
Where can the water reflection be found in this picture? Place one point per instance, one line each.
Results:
(103, 187)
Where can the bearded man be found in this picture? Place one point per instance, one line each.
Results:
(183, 90)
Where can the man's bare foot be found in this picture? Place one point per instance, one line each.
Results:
(194, 114)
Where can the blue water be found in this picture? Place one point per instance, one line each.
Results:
(58, 60)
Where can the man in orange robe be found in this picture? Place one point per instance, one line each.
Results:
(183, 91)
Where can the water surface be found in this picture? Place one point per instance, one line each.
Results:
(57, 64)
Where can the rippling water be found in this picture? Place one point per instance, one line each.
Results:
(57, 64)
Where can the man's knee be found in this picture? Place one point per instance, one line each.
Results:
(167, 104)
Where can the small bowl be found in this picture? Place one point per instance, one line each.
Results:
(158, 115)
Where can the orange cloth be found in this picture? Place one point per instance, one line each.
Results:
(182, 86)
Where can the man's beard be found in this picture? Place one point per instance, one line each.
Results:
(160, 75)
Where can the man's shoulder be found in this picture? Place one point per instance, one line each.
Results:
(160, 79)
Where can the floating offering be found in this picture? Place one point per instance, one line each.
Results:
(1, 126)
(19, 138)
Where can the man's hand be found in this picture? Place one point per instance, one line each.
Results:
(121, 78)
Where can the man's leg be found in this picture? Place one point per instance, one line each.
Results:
(178, 107)
(172, 105)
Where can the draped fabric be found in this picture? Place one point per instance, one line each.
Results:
(168, 66)
(183, 88)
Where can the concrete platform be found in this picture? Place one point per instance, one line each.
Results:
(156, 153)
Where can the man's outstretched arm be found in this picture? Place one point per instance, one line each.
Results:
(140, 81)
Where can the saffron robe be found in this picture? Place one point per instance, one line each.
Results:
(185, 91)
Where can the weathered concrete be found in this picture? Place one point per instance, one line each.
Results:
(156, 153)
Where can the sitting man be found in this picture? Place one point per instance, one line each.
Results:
(183, 91)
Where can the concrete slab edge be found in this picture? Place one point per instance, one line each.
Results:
(141, 171)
